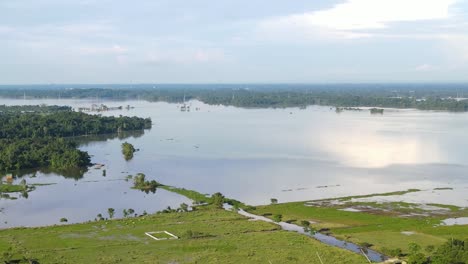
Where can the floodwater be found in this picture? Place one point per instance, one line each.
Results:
(253, 155)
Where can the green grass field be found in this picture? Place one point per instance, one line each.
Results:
(206, 236)
(381, 229)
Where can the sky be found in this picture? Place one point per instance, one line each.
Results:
(233, 41)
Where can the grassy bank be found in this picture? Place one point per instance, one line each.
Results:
(206, 236)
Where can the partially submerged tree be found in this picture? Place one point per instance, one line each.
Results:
(128, 150)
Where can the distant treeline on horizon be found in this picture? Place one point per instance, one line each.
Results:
(430, 96)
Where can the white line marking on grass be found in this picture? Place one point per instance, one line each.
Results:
(172, 236)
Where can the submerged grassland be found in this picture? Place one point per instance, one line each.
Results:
(386, 227)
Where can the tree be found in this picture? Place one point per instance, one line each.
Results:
(99, 217)
(305, 223)
(277, 218)
(139, 180)
(111, 212)
(184, 207)
(128, 150)
(274, 201)
(452, 251)
(218, 200)
(130, 211)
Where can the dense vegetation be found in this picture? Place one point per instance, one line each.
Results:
(140, 183)
(65, 124)
(57, 153)
(33, 108)
(36, 139)
(420, 96)
(128, 150)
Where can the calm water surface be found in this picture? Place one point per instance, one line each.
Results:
(253, 155)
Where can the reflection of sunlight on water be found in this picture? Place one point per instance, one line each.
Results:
(367, 148)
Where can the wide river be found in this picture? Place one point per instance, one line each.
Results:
(253, 155)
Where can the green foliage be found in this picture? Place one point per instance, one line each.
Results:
(11, 188)
(417, 258)
(273, 201)
(395, 252)
(111, 212)
(56, 153)
(429, 248)
(65, 124)
(414, 248)
(277, 218)
(128, 150)
(140, 183)
(34, 109)
(63, 220)
(195, 196)
(425, 97)
(100, 217)
(218, 200)
(453, 251)
(183, 207)
(305, 223)
(32, 140)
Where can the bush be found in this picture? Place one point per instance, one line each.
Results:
(128, 150)
(417, 258)
(277, 218)
(453, 251)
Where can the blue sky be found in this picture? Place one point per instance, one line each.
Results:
(233, 41)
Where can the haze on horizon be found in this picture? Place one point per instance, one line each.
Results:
(226, 41)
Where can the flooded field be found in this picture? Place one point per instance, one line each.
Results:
(252, 155)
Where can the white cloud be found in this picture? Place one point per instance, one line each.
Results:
(375, 14)
(424, 68)
(115, 49)
(356, 18)
(185, 56)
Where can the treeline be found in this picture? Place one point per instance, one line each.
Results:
(32, 140)
(66, 124)
(420, 96)
(33, 108)
(56, 153)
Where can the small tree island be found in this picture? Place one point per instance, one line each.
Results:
(128, 150)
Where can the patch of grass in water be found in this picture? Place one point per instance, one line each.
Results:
(11, 188)
(376, 194)
(197, 197)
